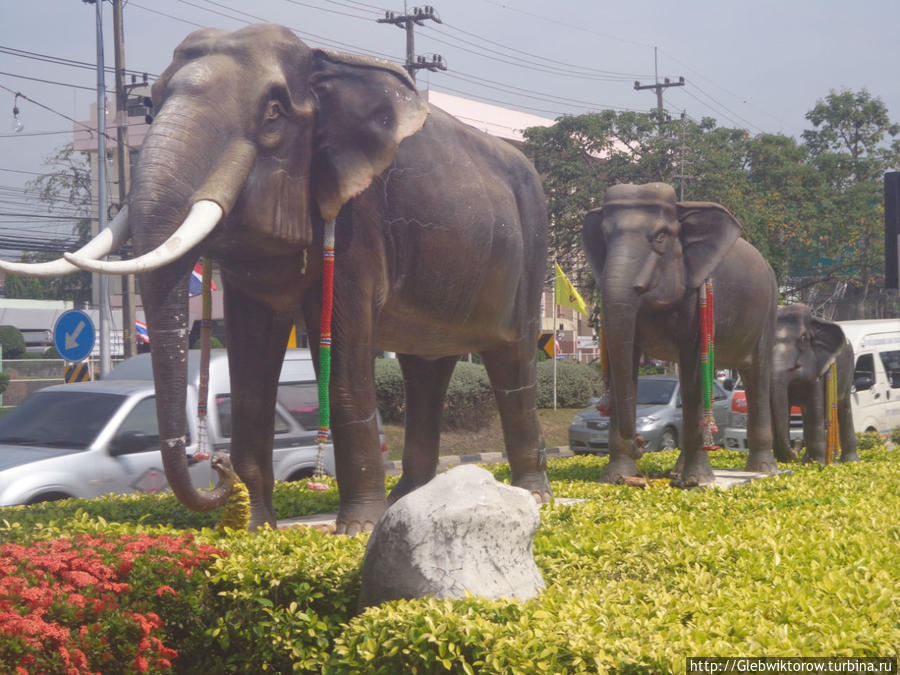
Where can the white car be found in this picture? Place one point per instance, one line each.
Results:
(93, 438)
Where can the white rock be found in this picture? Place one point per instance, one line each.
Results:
(463, 531)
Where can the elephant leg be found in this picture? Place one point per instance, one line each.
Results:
(692, 468)
(257, 338)
(846, 430)
(757, 383)
(513, 374)
(359, 466)
(623, 453)
(814, 423)
(425, 383)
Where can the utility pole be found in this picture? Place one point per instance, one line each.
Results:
(105, 313)
(681, 174)
(659, 86)
(128, 316)
(409, 22)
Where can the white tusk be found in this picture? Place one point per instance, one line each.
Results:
(200, 221)
(112, 236)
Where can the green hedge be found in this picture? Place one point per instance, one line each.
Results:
(469, 404)
(470, 401)
(576, 383)
(12, 342)
(802, 564)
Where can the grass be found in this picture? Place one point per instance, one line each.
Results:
(555, 424)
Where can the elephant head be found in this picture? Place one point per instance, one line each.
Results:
(257, 140)
(805, 347)
(647, 251)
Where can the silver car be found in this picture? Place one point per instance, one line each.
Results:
(93, 438)
(658, 417)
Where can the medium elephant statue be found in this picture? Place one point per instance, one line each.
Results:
(439, 250)
(650, 254)
(805, 346)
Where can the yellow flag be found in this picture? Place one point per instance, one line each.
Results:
(566, 293)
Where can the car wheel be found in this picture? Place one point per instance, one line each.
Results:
(302, 474)
(668, 440)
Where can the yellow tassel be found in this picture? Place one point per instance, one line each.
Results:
(236, 514)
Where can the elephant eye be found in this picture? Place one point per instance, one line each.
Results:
(659, 238)
(273, 111)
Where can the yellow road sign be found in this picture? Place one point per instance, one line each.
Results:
(78, 372)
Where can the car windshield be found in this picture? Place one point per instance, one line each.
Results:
(59, 419)
(654, 392)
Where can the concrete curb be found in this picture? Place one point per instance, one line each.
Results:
(447, 461)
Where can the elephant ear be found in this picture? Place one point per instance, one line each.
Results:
(594, 239)
(365, 108)
(827, 340)
(708, 231)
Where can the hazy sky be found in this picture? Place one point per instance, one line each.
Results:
(758, 65)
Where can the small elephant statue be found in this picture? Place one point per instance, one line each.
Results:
(804, 348)
(650, 254)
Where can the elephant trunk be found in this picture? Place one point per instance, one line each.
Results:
(175, 161)
(781, 419)
(620, 303)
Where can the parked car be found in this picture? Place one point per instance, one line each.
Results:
(658, 417)
(93, 438)
(736, 431)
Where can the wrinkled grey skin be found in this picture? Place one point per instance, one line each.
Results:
(440, 251)
(650, 255)
(804, 348)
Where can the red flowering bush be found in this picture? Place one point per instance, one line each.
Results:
(84, 604)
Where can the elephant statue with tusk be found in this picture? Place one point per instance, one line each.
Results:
(440, 250)
(650, 254)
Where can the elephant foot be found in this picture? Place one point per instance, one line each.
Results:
(694, 471)
(403, 487)
(356, 518)
(537, 484)
(762, 462)
(678, 469)
(787, 455)
(619, 469)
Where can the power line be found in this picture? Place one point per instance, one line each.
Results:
(59, 60)
(331, 11)
(530, 93)
(586, 71)
(38, 79)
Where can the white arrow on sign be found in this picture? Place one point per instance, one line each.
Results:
(72, 338)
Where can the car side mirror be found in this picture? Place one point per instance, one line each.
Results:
(863, 382)
(130, 442)
(728, 384)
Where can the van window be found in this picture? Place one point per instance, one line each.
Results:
(891, 362)
(223, 409)
(301, 399)
(142, 419)
(864, 373)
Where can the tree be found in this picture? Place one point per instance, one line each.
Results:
(65, 189)
(853, 143)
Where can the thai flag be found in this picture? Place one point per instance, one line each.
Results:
(140, 332)
(197, 281)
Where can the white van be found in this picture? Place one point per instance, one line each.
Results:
(875, 399)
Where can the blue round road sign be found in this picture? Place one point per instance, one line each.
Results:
(73, 335)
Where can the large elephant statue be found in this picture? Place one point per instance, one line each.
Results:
(805, 347)
(440, 250)
(649, 255)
